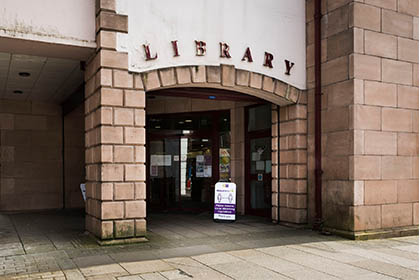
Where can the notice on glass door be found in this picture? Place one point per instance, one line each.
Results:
(167, 160)
(156, 160)
(154, 170)
(207, 171)
(255, 156)
(225, 201)
(203, 166)
(200, 158)
(199, 169)
(160, 160)
(260, 164)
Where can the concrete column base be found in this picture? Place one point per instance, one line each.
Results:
(376, 234)
(121, 241)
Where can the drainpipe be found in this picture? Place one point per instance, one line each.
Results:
(278, 164)
(318, 94)
(63, 159)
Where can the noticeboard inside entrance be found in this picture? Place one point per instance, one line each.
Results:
(225, 201)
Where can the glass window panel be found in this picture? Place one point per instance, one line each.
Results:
(224, 122)
(179, 123)
(258, 195)
(259, 118)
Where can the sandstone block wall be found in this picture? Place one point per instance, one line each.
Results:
(384, 66)
(369, 111)
(74, 157)
(30, 156)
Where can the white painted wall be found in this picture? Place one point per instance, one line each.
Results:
(69, 22)
(275, 26)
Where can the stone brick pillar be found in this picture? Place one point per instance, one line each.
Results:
(237, 157)
(275, 181)
(289, 157)
(115, 137)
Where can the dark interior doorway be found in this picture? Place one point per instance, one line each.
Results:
(187, 154)
(258, 160)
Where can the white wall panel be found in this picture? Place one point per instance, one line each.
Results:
(273, 26)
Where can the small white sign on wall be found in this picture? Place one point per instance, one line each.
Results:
(264, 36)
(83, 190)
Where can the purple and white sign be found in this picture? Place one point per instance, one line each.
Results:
(225, 201)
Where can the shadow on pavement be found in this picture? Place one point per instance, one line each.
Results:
(54, 240)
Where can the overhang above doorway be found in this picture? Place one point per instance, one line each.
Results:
(36, 78)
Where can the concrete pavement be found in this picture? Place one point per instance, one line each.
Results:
(53, 246)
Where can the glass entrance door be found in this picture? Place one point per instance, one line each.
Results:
(180, 172)
(258, 160)
(260, 175)
(196, 172)
(164, 172)
(187, 155)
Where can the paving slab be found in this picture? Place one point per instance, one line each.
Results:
(216, 258)
(400, 253)
(408, 248)
(273, 263)
(245, 270)
(311, 274)
(107, 269)
(146, 266)
(321, 264)
(203, 273)
(388, 269)
(371, 276)
(73, 274)
(152, 276)
(184, 251)
(130, 277)
(175, 274)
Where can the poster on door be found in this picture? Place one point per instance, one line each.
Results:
(225, 201)
(224, 164)
(199, 166)
(203, 166)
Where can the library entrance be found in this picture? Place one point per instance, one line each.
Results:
(193, 143)
(188, 154)
(258, 160)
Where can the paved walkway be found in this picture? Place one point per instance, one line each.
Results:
(52, 245)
